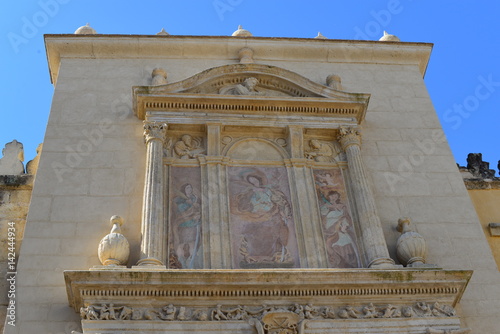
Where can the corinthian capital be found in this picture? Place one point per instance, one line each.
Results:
(349, 136)
(154, 130)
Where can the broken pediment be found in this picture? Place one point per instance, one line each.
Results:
(247, 89)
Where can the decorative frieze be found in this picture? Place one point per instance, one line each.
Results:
(308, 311)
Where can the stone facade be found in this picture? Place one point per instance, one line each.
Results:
(484, 189)
(15, 195)
(267, 196)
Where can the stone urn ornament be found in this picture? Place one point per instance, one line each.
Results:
(411, 248)
(114, 248)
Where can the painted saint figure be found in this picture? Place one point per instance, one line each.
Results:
(187, 227)
(266, 222)
(337, 224)
(337, 228)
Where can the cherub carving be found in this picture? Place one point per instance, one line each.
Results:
(168, 312)
(188, 147)
(245, 88)
(321, 151)
(370, 311)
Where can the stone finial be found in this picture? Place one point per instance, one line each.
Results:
(159, 76)
(320, 36)
(12, 161)
(411, 248)
(85, 30)
(32, 165)
(389, 38)
(479, 168)
(162, 32)
(333, 81)
(114, 248)
(246, 56)
(241, 32)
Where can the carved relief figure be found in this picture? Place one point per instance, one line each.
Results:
(337, 224)
(262, 222)
(188, 147)
(246, 88)
(185, 242)
(322, 151)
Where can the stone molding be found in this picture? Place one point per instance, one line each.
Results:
(329, 287)
(217, 47)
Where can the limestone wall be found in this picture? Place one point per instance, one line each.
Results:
(15, 194)
(486, 204)
(92, 168)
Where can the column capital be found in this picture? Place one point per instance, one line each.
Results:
(154, 130)
(349, 136)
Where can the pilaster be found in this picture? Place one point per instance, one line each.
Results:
(152, 227)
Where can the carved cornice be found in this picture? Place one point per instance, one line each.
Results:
(327, 287)
(154, 130)
(221, 47)
(349, 136)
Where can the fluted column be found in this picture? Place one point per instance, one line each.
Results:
(370, 226)
(152, 228)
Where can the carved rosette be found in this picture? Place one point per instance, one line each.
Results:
(411, 247)
(154, 131)
(349, 136)
(114, 248)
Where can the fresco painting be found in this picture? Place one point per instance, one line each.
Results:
(336, 219)
(185, 231)
(261, 218)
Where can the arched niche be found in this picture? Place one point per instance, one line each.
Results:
(255, 149)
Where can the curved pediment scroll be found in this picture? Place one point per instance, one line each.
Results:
(247, 89)
(269, 80)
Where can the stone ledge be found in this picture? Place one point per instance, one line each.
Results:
(21, 181)
(332, 287)
(482, 184)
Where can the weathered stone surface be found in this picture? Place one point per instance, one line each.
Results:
(12, 161)
(478, 167)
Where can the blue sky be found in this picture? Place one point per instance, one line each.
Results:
(463, 77)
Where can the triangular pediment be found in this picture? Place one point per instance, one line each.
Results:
(260, 86)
